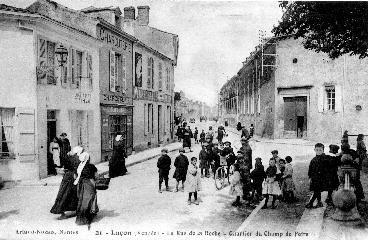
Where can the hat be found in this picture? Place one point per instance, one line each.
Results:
(164, 150)
(181, 150)
(274, 151)
(227, 142)
(63, 134)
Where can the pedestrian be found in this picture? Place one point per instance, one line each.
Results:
(202, 137)
(193, 182)
(179, 133)
(230, 155)
(67, 199)
(315, 174)
(245, 133)
(288, 186)
(279, 175)
(220, 134)
(236, 186)
(181, 167)
(187, 139)
(164, 165)
(330, 166)
(247, 152)
(251, 130)
(270, 186)
(215, 158)
(55, 152)
(275, 156)
(195, 135)
(244, 176)
(361, 150)
(209, 134)
(258, 175)
(117, 161)
(238, 126)
(87, 195)
(65, 148)
(204, 160)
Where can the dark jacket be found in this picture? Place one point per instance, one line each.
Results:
(315, 172)
(181, 161)
(228, 151)
(258, 174)
(330, 165)
(204, 158)
(271, 171)
(164, 162)
(245, 133)
(247, 151)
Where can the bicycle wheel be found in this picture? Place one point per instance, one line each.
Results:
(220, 178)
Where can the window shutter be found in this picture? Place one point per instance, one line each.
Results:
(145, 119)
(42, 61)
(149, 72)
(89, 70)
(112, 71)
(72, 67)
(321, 99)
(338, 98)
(26, 130)
(124, 67)
(153, 74)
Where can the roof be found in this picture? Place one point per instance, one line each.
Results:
(13, 9)
(116, 29)
(95, 9)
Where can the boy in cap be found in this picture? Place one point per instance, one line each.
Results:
(204, 160)
(181, 167)
(163, 165)
(315, 174)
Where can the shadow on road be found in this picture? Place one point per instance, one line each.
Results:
(4, 215)
(105, 213)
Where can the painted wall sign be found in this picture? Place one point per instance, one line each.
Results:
(117, 110)
(141, 94)
(82, 97)
(113, 99)
(111, 38)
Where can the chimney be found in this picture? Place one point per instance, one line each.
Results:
(129, 13)
(143, 15)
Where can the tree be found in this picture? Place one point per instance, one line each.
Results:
(335, 28)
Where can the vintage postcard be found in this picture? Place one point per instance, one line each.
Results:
(181, 119)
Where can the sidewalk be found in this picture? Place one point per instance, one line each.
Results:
(103, 168)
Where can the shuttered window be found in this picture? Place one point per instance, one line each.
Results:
(112, 71)
(7, 133)
(160, 86)
(149, 73)
(46, 62)
(124, 75)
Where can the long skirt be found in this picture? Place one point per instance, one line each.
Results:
(87, 202)
(187, 142)
(66, 199)
(117, 167)
(271, 188)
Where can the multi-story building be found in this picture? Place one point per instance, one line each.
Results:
(116, 79)
(49, 85)
(299, 93)
(155, 56)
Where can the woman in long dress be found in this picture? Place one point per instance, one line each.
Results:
(117, 163)
(67, 199)
(87, 196)
(55, 151)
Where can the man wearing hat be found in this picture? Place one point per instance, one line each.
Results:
(204, 160)
(164, 165)
(64, 148)
(247, 152)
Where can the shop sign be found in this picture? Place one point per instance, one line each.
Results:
(118, 110)
(110, 38)
(114, 99)
(82, 97)
(141, 94)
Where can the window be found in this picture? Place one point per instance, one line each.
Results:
(150, 118)
(160, 76)
(331, 100)
(118, 126)
(150, 73)
(75, 67)
(7, 133)
(167, 79)
(124, 75)
(46, 62)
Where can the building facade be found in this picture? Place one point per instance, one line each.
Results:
(46, 98)
(298, 93)
(116, 79)
(155, 56)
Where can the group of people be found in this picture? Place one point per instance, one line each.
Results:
(58, 150)
(323, 169)
(77, 193)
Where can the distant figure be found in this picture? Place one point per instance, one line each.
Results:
(187, 139)
(202, 137)
(117, 162)
(195, 135)
(55, 151)
(204, 160)
(251, 130)
(64, 148)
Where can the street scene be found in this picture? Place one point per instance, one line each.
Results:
(183, 120)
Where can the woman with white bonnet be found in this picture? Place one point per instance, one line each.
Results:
(87, 196)
(117, 161)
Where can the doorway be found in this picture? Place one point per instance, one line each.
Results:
(295, 117)
(51, 134)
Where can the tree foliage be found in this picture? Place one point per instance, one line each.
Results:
(177, 96)
(335, 28)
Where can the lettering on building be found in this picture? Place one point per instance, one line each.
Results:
(116, 99)
(82, 97)
(141, 94)
(111, 38)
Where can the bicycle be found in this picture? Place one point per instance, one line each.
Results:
(223, 173)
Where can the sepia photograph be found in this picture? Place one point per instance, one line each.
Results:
(183, 120)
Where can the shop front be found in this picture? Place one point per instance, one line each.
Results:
(116, 120)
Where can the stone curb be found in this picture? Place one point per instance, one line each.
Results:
(101, 173)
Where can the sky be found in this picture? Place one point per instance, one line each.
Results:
(215, 37)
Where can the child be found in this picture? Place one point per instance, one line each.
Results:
(163, 164)
(270, 185)
(193, 182)
(288, 186)
(257, 175)
(236, 186)
(181, 167)
(315, 174)
(275, 156)
(195, 135)
(202, 137)
(204, 160)
(280, 174)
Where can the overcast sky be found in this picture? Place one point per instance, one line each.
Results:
(214, 37)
